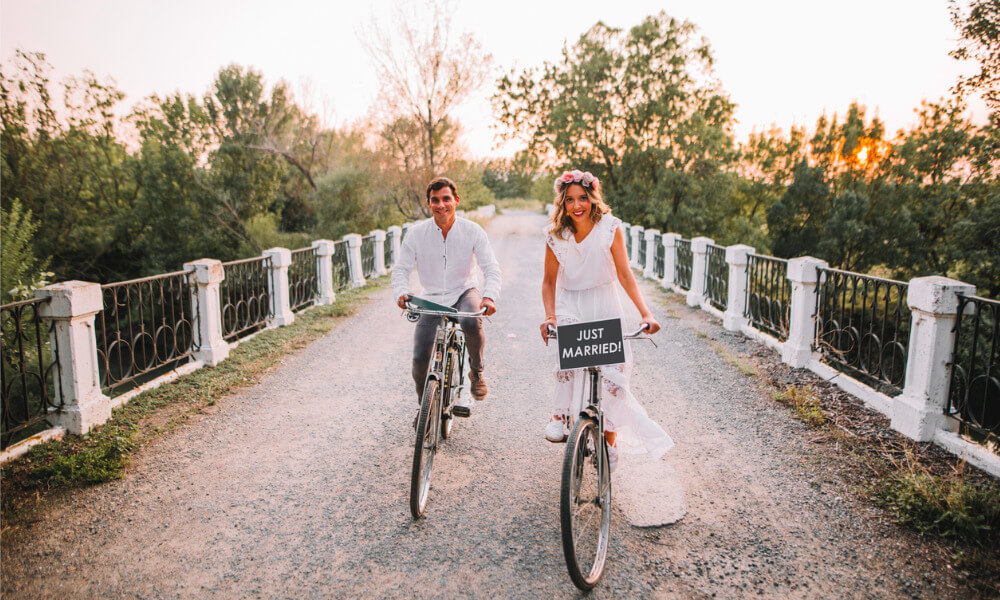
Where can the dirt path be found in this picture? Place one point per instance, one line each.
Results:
(297, 488)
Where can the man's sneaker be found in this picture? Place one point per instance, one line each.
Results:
(462, 407)
(476, 385)
(556, 431)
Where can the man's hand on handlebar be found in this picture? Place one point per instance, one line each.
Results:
(402, 300)
(489, 305)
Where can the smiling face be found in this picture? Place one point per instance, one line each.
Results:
(578, 205)
(442, 204)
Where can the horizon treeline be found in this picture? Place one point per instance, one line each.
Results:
(245, 166)
(89, 195)
(641, 109)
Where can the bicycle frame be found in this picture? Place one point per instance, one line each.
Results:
(593, 407)
(448, 335)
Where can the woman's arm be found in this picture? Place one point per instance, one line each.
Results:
(549, 292)
(627, 279)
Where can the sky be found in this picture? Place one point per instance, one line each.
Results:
(783, 62)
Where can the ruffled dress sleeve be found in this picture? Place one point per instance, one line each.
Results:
(610, 227)
(557, 245)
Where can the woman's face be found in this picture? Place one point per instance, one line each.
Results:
(577, 203)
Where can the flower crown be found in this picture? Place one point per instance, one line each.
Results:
(584, 178)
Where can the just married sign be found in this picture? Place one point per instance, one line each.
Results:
(590, 344)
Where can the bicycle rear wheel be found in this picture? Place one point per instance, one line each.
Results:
(428, 429)
(585, 504)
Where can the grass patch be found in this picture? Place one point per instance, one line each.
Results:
(947, 504)
(743, 366)
(103, 454)
(803, 400)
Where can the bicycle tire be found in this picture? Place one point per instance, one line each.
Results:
(585, 504)
(424, 448)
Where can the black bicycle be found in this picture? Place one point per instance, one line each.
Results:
(585, 494)
(442, 389)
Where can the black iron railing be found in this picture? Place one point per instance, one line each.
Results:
(341, 266)
(245, 296)
(303, 278)
(148, 326)
(387, 250)
(30, 371)
(863, 327)
(717, 277)
(768, 295)
(683, 264)
(660, 259)
(628, 240)
(642, 253)
(974, 388)
(367, 256)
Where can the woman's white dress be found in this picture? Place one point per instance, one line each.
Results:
(587, 290)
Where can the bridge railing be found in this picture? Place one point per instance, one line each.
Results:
(146, 327)
(29, 357)
(974, 385)
(121, 338)
(926, 353)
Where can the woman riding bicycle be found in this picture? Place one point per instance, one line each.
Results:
(584, 256)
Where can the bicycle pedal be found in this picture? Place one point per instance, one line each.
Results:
(461, 411)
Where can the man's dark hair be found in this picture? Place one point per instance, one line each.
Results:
(440, 182)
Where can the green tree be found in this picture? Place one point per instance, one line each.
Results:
(68, 167)
(638, 108)
(20, 269)
(980, 41)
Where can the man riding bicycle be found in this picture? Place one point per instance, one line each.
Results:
(444, 250)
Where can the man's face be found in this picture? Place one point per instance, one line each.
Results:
(442, 203)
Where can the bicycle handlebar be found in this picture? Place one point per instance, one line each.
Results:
(426, 311)
(630, 336)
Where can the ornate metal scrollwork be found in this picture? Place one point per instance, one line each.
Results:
(863, 327)
(147, 325)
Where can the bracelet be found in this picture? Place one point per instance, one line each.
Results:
(547, 317)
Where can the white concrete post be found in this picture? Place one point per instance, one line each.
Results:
(324, 271)
(395, 239)
(737, 257)
(208, 275)
(353, 241)
(803, 274)
(919, 411)
(379, 237)
(648, 270)
(669, 259)
(72, 306)
(281, 259)
(699, 251)
(636, 231)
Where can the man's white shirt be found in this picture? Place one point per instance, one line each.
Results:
(446, 267)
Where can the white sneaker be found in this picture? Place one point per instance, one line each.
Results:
(462, 406)
(556, 431)
(613, 458)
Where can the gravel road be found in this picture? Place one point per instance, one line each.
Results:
(297, 488)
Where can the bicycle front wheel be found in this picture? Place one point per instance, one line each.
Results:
(454, 390)
(585, 504)
(428, 430)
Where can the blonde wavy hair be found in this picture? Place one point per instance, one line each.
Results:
(561, 221)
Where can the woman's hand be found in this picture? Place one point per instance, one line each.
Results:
(544, 327)
(651, 322)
